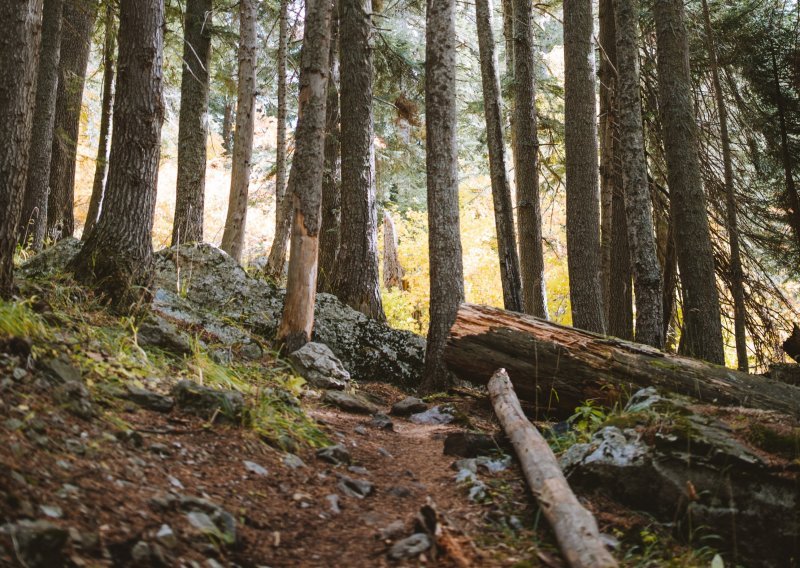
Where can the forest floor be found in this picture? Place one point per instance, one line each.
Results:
(90, 479)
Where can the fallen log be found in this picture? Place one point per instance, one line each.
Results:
(575, 528)
(556, 367)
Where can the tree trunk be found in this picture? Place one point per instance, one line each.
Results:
(305, 179)
(190, 187)
(525, 142)
(227, 126)
(34, 205)
(356, 279)
(392, 270)
(283, 205)
(638, 205)
(236, 219)
(702, 329)
(557, 367)
(736, 273)
(607, 124)
(620, 301)
(20, 36)
(101, 163)
(575, 528)
(501, 190)
(331, 180)
(117, 255)
(580, 143)
(441, 149)
(76, 35)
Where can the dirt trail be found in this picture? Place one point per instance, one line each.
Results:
(116, 494)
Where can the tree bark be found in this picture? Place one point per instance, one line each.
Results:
(736, 273)
(525, 143)
(117, 255)
(305, 179)
(332, 177)
(190, 187)
(227, 126)
(34, 206)
(20, 36)
(392, 269)
(620, 306)
(101, 163)
(702, 328)
(575, 527)
(501, 190)
(609, 172)
(236, 219)
(283, 205)
(441, 149)
(557, 367)
(580, 143)
(76, 35)
(356, 280)
(648, 282)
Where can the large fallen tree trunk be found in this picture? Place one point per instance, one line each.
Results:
(557, 367)
(575, 528)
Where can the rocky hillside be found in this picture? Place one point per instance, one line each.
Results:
(179, 439)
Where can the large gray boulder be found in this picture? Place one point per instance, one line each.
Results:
(666, 458)
(201, 287)
(317, 364)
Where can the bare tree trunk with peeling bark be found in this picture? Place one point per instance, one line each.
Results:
(575, 528)
(501, 190)
(236, 219)
(283, 204)
(20, 35)
(305, 179)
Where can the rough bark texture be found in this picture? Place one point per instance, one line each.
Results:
(236, 219)
(392, 270)
(501, 190)
(305, 179)
(76, 36)
(702, 329)
(607, 124)
(20, 34)
(615, 253)
(356, 280)
(117, 255)
(575, 528)
(580, 143)
(638, 206)
(227, 126)
(101, 163)
(283, 206)
(34, 205)
(444, 229)
(736, 273)
(192, 124)
(331, 180)
(557, 367)
(525, 143)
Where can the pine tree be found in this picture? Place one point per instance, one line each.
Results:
(236, 219)
(702, 328)
(117, 255)
(192, 125)
(20, 36)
